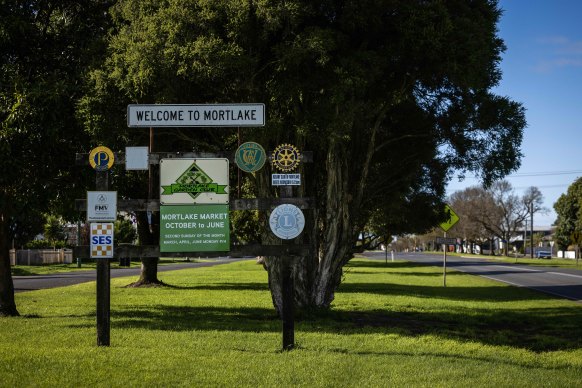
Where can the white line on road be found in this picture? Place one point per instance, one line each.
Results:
(566, 274)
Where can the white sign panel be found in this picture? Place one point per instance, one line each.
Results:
(136, 158)
(101, 240)
(286, 179)
(207, 115)
(101, 205)
(188, 181)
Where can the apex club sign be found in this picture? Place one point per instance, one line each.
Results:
(197, 115)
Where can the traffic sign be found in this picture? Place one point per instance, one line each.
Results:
(196, 115)
(101, 158)
(452, 219)
(446, 240)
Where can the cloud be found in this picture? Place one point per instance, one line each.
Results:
(563, 52)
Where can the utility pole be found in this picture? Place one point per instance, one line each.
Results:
(532, 231)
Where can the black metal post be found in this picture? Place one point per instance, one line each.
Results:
(287, 289)
(103, 279)
(287, 307)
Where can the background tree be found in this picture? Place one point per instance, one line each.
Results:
(469, 204)
(569, 211)
(46, 47)
(53, 229)
(533, 200)
(390, 97)
(513, 211)
(496, 211)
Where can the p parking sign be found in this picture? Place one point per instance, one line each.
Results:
(101, 158)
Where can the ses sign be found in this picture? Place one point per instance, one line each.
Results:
(101, 240)
(203, 115)
(101, 205)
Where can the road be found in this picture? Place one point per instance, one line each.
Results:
(37, 282)
(564, 283)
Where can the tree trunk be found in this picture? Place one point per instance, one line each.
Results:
(7, 303)
(149, 265)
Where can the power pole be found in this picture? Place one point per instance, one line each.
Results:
(532, 231)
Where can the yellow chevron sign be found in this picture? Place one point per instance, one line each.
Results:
(452, 219)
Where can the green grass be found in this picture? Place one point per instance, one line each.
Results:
(390, 325)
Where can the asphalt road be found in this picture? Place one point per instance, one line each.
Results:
(564, 283)
(37, 282)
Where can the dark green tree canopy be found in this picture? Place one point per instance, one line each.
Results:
(569, 210)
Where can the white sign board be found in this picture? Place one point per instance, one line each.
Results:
(286, 179)
(101, 240)
(203, 115)
(136, 158)
(101, 205)
(189, 181)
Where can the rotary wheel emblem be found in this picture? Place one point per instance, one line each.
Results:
(286, 157)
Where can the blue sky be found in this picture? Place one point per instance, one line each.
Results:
(542, 69)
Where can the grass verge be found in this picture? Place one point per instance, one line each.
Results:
(391, 325)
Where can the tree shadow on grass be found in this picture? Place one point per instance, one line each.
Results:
(538, 329)
(369, 263)
(474, 294)
(224, 287)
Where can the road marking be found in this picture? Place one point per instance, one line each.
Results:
(532, 288)
(522, 269)
(566, 274)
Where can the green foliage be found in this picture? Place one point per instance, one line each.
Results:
(569, 211)
(46, 244)
(53, 228)
(125, 231)
(46, 50)
(392, 325)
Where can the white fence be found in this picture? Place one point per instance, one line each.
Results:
(567, 254)
(40, 256)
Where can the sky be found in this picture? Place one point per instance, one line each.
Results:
(542, 69)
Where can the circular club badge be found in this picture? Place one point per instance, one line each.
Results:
(287, 221)
(250, 157)
(101, 158)
(286, 157)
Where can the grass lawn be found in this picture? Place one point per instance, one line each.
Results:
(390, 325)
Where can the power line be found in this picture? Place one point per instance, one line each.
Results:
(547, 173)
(534, 174)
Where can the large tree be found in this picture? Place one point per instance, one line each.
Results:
(469, 204)
(46, 47)
(569, 210)
(391, 96)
